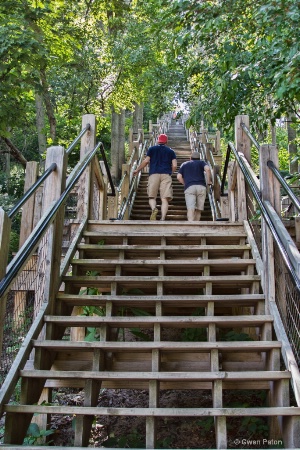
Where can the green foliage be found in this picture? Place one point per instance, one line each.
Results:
(34, 435)
(132, 440)
(246, 63)
(92, 333)
(93, 311)
(164, 443)
(235, 336)
(195, 334)
(255, 425)
(205, 425)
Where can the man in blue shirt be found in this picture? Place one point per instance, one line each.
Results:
(163, 163)
(194, 175)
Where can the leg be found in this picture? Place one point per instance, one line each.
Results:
(190, 201)
(166, 194)
(190, 214)
(164, 208)
(152, 189)
(152, 203)
(201, 194)
(197, 214)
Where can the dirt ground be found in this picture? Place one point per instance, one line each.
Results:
(188, 433)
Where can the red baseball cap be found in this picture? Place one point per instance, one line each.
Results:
(162, 139)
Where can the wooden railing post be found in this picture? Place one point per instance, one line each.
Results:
(53, 187)
(130, 141)
(270, 190)
(103, 193)
(141, 135)
(232, 186)
(27, 225)
(242, 141)
(88, 142)
(242, 144)
(270, 186)
(27, 220)
(125, 186)
(50, 261)
(5, 227)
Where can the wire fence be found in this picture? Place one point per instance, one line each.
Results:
(287, 299)
(27, 292)
(23, 303)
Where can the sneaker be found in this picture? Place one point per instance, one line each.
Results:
(154, 214)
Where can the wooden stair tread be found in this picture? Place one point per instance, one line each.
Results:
(155, 412)
(144, 321)
(184, 265)
(229, 279)
(163, 376)
(163, 247)
(151, 300)
(136, 346)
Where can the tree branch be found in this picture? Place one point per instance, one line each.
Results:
(14, 151)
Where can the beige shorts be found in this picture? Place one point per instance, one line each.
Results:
(195, 197)
(161, 182)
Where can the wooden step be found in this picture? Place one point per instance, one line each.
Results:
(170, 251)
(167, 321)
(182, 265)
(153, 412)
(147, 301)
(168, 380)
(165, 346)
(129, 228)
(240, 281)
(161, 376)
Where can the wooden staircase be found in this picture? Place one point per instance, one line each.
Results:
(177, 140)
(186, 287)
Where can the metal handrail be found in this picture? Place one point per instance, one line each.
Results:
(121, 181)
(112, 187)
(28, 248)
(132, 186)
(211, 196)
(267, 218)
(247, 131)
(76, 140)
(31, 190)
(274, 169)
(284, 184)
(225, 169)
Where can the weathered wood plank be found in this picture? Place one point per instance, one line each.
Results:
(161, 376)
(172, 321)
(155, 412)
(245, 346)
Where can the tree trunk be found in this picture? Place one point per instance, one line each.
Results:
(291, 143)
(122, 139)
(48, 105)
(117, 144)
(138, 117)
(114, 149)
(40, 123)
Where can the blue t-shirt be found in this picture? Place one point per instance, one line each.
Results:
(193, 172)
(161, 157)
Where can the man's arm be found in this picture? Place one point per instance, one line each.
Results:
(142, 165)
(180, 178)
(174, 165)
(208, 174)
